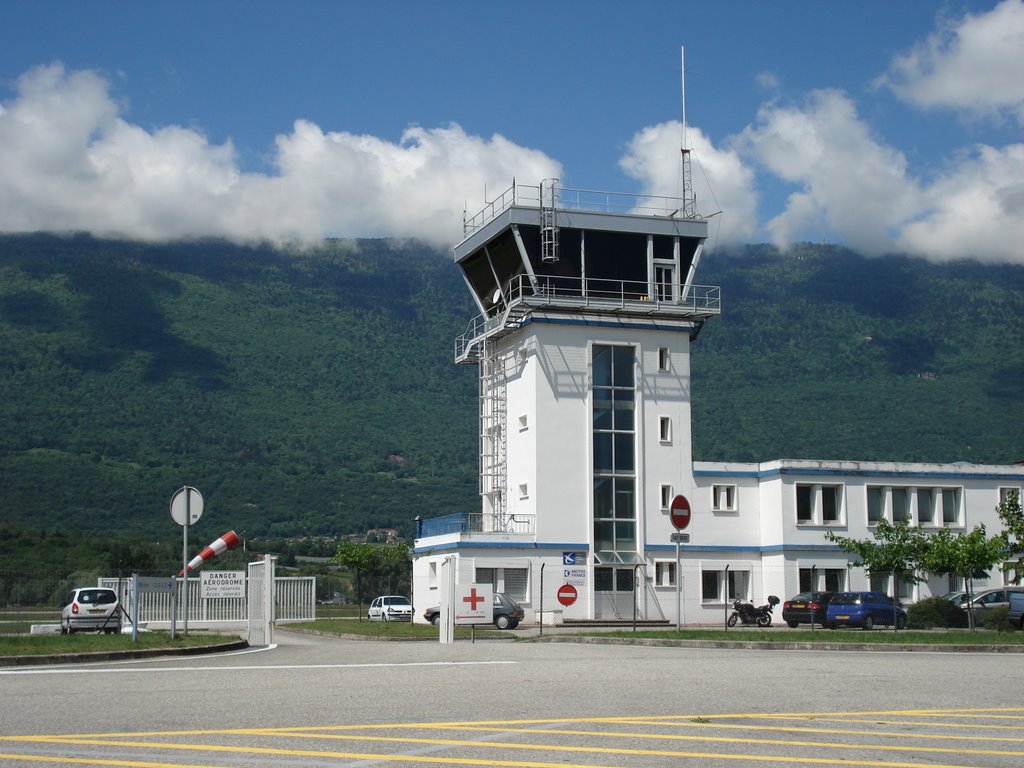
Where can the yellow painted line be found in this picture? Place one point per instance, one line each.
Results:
(93, 761)
(932, 724)
(833, 731)
(642, 736)
(435, 759)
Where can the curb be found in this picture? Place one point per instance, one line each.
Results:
(784, 646)
(83, 658)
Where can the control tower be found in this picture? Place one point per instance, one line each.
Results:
(587, 309)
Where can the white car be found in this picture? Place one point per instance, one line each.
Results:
(94, 608)
(390, 608)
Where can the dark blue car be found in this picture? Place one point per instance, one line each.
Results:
(864, 609)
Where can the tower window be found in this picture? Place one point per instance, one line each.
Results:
(664, 359)
(664, 429)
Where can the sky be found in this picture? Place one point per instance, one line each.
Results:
(888, 127)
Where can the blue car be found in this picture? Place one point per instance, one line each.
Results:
(864, 609)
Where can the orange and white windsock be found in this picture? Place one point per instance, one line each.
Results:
(228, 541)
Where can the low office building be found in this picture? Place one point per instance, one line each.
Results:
(588, 309)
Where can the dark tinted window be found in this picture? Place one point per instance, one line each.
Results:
(97, 596)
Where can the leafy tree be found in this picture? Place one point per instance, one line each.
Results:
(896, 548)
(969, 555)
(377, 567)
(1012, 515)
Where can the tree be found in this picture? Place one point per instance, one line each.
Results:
(969, 555)
(376, 566)
(1012, 516)
(895, 549)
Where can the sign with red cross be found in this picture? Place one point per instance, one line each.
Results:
(474, 603)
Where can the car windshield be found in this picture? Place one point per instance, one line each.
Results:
(847, 599)
(97, 596)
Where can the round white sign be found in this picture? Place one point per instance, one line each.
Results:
(186, 506)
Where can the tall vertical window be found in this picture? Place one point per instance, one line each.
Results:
(614, 433)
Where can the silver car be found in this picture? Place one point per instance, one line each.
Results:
(987, 600)
(390, 608)
(90, 608)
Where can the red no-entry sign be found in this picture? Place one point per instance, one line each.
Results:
(679, 512)
(567, 594)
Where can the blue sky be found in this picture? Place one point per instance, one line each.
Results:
(889, 127)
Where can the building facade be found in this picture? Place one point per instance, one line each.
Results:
(588, 308)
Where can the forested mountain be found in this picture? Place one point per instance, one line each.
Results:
(312, 391)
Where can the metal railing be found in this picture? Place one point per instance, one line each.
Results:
(477, 522)
(568, 199)
(600, 294)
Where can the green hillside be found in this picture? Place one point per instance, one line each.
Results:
(313, 391)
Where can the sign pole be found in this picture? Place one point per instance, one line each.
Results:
(184, 568)
(679, 602)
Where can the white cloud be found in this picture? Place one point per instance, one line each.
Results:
(723, 185)
(69, 162)
(976, 211)
(972, 64)
(849, 183)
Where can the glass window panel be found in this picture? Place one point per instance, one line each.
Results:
(623, 367)
(804, 503)
(710, 585)
(602, 366)
(603, 452)
(831, 496)
(625, 535)
(950, 506)
(900, 505)
(604, 496)
(624, 461)
(739, 585)
(624, 579)
(925, 505)
(604, 535)
(806, 582)
(835, 579)
(624, 409)
(874, 504)
(625, 498)
(603, 579)
(603, 409)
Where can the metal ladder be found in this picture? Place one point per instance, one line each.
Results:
(493, 410)
(548, 221)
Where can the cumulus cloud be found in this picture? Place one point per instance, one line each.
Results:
(975, 211)
(973, 64)
(70, 162)
(847, 182)
(722, 183)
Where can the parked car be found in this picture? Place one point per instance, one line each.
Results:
(90, 608)
(1016, 615)
(507, 613)
(864, 609)
(806, 607)
(390, 608)
(987, 600)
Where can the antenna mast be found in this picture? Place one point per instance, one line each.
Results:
(689, 200)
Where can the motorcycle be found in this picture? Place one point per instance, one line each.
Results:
(748, 614)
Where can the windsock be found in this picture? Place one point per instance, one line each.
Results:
(228, 541)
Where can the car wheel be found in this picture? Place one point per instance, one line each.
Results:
(435, 619)
(384, 618)
(793, 624)
(901, 622)
(868, 623)
(832, 625)
(502, 622)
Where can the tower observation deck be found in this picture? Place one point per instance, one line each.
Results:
(549, 249)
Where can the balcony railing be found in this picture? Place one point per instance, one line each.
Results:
(597, 294)
(476, 522)
(567, 199)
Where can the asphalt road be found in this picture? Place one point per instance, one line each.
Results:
(316, 701)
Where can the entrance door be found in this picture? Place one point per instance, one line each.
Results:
(614, 592)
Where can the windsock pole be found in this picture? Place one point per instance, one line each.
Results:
(228, 541)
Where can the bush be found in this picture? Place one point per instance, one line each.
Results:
(935, 612)
(998, 619)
